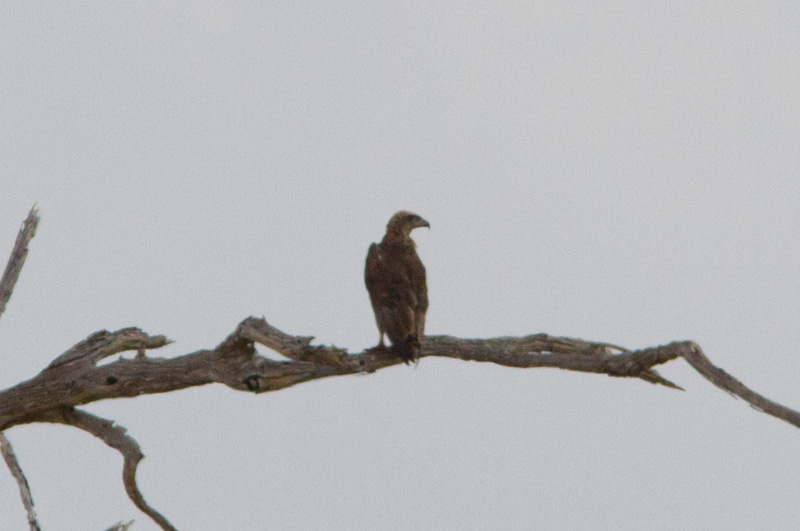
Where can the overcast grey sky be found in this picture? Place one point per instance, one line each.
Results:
(603, 170)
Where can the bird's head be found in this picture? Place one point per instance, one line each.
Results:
(404, 222)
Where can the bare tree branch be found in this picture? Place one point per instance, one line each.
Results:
(17, 258)
(7, 283)
(117, 438)
(692, 353)
(75, 378)
(24, 490)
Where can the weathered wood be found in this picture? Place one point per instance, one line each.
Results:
(24, 490)
(17, 258)
(7, 283)
(117, 438)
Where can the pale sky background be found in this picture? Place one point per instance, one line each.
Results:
(611, 171)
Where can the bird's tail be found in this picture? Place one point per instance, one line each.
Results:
(406, 350)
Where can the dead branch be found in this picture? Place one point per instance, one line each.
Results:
(117, 438)
(75, 378)
(24, 490)
(17, 258)
(7, 283)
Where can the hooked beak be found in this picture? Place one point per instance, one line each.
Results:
(423, 223)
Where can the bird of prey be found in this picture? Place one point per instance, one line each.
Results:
(395, 279)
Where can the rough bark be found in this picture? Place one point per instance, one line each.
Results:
(17, 258)
(7, 283)
(75, 378)
(24, 489)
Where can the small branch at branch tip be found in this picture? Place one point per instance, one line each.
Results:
(17, 258)
(22, 482)
(119, 526)
(104, 344)
(306, 340)
(654, 378)
(694, 355)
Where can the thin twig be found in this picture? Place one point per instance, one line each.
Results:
(119, 526)
(16, 471)
(17, 258)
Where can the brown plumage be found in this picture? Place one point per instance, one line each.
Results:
(395, 279)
